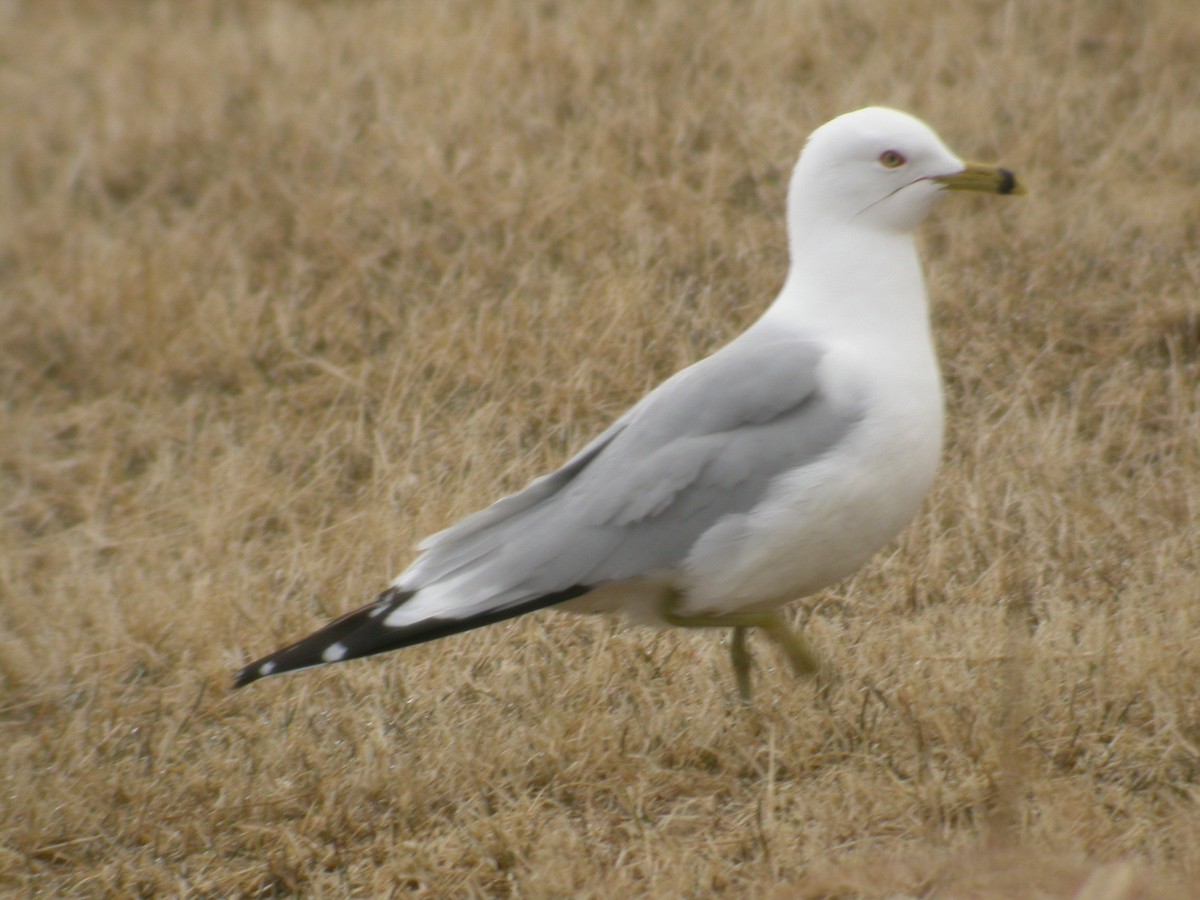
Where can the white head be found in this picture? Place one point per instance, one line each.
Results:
(882, 169)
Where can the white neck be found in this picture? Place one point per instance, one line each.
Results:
(854, 280)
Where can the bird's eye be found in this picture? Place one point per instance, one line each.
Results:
(891, 159)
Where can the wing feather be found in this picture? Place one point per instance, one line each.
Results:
(704, 446)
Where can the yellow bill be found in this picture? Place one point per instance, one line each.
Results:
(982, 177)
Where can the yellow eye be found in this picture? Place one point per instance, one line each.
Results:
(891, 159)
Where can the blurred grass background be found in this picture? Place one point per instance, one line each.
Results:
(286, 286)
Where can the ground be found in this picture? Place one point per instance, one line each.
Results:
(286, 286)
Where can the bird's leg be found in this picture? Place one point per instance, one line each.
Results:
(741, 662)
(802, 660)
(799, 654)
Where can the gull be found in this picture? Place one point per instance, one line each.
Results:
(761, 474)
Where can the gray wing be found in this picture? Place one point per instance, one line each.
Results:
(702, 447)
(689, 460)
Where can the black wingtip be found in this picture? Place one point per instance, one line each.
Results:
(363, 633)
(251, 673)
(357, 633)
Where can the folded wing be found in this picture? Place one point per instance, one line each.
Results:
(703, 447)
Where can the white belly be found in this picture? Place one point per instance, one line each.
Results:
(821, 522)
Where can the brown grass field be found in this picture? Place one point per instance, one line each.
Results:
(286, 286)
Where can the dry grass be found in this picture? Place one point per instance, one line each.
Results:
(285, 286)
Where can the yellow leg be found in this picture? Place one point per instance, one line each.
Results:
(741, 662)
(803, 661)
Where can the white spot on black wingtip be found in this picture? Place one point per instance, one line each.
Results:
(266, 669)
(334, 652)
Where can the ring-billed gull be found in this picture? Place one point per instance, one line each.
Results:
(763, 473)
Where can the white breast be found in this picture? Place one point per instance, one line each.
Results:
(821, 522)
